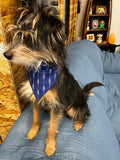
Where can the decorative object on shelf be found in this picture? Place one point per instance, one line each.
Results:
(111, 38)
(117, 49)
(95, 24)
(91, 37)
(101, 10)
(102, 24)
(99, 38)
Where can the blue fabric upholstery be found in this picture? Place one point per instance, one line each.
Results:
(99, 139)
(88, 50)
(111, 62)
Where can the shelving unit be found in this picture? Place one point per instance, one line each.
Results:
(97, 21)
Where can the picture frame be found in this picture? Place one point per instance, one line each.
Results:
(101, 9)
(95, 23)
(91, 37)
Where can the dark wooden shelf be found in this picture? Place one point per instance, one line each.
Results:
(102, 44)
(94, 19)
(99, 15)
(96, 30)
(107, 47)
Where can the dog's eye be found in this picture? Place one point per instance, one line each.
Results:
(28, 41)
(29, 38)
(16, 37)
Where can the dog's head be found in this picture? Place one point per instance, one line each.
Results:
(37, 35)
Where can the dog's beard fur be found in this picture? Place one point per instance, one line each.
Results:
(38, 36)
(26, 56)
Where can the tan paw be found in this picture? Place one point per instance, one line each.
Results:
(50, 147)
(33, 132)
(77, 126)
(49, 150)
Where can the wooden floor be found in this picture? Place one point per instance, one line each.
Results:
(9, 110)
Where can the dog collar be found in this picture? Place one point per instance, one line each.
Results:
(42, 78)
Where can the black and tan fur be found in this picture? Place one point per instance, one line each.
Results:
(38, 35)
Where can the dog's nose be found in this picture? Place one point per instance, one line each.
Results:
(8, 55)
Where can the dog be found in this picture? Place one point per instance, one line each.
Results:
(37, 41)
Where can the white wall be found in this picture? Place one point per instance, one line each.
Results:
(115, 22)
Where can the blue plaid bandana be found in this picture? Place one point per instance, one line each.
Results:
(42, 79)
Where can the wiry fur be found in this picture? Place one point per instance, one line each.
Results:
(38, 35)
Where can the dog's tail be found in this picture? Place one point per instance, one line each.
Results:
(88, 87)
(79, 108)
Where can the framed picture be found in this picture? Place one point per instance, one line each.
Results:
(91, 37)
(95, 24)
(101, 10)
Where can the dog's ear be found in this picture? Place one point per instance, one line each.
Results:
(52, 19)
(35, 4)
(55, 24)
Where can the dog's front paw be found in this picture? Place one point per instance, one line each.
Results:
(77, 125)
(49, 150)
(33, 132)
(50, 147)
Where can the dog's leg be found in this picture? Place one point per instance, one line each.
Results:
(52, 130)
(35, 124)
(77, 125)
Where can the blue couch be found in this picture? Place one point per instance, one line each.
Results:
(99, 139)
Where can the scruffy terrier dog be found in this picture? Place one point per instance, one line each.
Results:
(37, 41)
